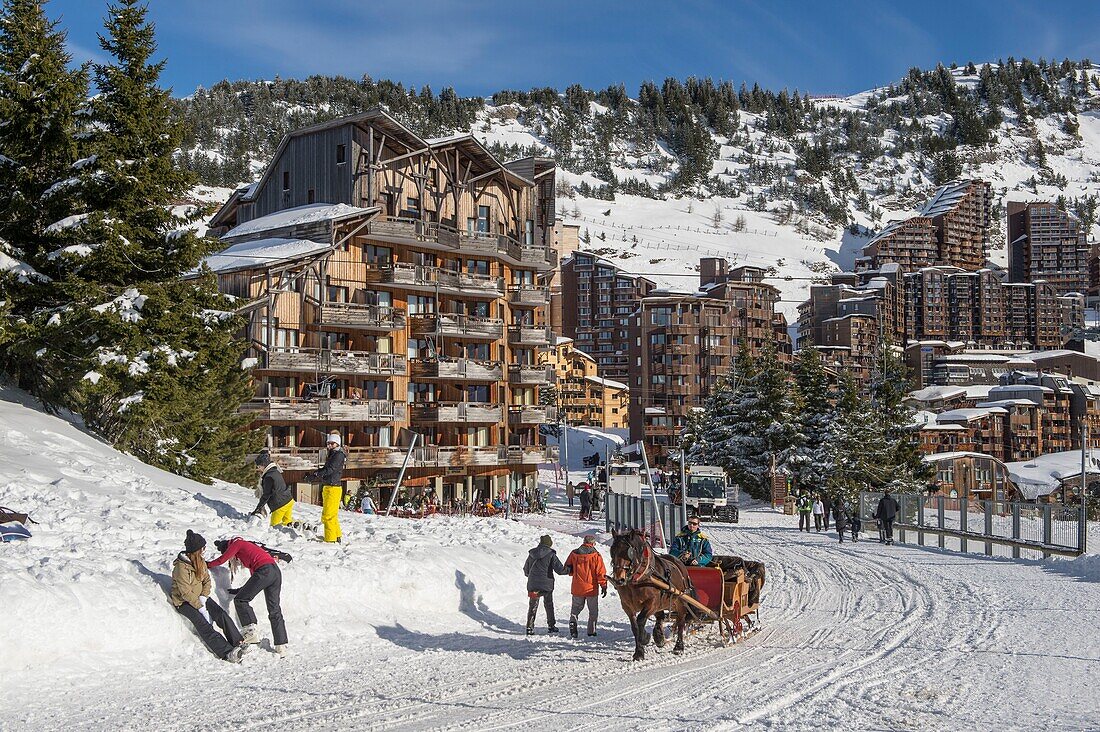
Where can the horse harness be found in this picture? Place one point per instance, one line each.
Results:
(648, 569)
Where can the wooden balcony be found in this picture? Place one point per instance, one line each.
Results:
(293, 409)
(468, 412)
(524, 335)
(475, 242)
(520, 414)
(316, 360)
(342, 315)
(462, 369)
(459, 326)
(528, 296)
(404, 274)
(430, 456)
(539, 375)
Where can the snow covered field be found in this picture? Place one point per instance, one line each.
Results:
(418, 625)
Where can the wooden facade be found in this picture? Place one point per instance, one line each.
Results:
(422, 314)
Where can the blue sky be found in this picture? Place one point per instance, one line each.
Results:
(481, 46)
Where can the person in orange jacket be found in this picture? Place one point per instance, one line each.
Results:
(589, 578)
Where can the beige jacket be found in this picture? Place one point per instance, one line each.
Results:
(186, 585)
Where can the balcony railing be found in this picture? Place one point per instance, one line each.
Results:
(293, 409)
(520, 374)
(532, 414)
(457, 368)
(336, 361)
(474, 412)
(431, 456)
(468, 241)
(523, 335)
(366, 317)
(461, 326)
(531, 295)
(416, 275)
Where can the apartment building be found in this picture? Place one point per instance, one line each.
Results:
(598, 299)
(1049, 244)
(583, 396)
(565, 240)
(952, 228)
(393, 288)
(682, 343)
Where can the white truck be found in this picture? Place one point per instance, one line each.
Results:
(625, 479)
(706, 494)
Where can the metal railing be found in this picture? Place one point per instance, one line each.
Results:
(631, 512)
(993, 527)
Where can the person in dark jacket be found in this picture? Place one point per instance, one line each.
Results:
(886, 512)
(274, 492)
(332, 490)
(586, 502)
(840, 518)
(191, 587)
(827, 504)
(266, 577)
(691, 545)
(541, 566)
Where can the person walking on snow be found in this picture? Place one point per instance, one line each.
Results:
(586, 503)
(191, 597)
(827, 504)
(541, 566)
(266, 577)
(804, 506)
(589, 579)
(329, 476)
(274, 492)
(819, 513)
(840, 516)
(569, 492)
(886, 512)
(691, 546)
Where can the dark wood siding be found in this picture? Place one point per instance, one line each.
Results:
(311, 161)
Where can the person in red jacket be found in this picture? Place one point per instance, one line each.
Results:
(589, 578)
(266, 576)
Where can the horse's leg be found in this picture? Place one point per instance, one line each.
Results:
(642, 637)
(681, 621)
(659, 639)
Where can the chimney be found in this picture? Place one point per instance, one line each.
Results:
(713, 270)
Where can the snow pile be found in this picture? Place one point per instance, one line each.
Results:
(585, 440)
(88, 591)
(260, 252)
(296, 216)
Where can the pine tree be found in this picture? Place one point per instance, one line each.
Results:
(906, 471)
(814, 456)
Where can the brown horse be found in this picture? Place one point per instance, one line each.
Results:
(633, 564)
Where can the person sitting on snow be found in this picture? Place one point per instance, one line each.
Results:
(273, 491)
(190, 596)
(266, 577)
(691, 546)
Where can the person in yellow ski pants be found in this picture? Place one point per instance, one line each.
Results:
(329, 476)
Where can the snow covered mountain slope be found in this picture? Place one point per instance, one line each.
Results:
(418, 625)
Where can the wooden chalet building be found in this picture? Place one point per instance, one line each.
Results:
(394, 287)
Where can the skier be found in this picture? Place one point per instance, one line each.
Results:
(274, 492)
(191, 597)
(691, 546)
(266, 576)
(819, 513)
(541, 566)
(886, 512)
(840, 514)
(586, 502)
(804, 506)
(589, 577)
(569, 492)
(329, 476)
(827, 504)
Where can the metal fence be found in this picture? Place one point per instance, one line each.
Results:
(630, 512)
(1004, 528)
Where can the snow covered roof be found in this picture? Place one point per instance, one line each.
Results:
(655, 410)
(967, 414)
(936, 457)
(309, 213)
(932, 393)
(609, 383)
(262, 253)
(1043, 474)
(561, 340)
(946, 198)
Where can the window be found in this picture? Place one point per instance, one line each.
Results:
(421, 304)
(373, 254)
(286, 180)
(311, 196)
(341, 154)
(529, 233)
(412, 208)
(483, 219)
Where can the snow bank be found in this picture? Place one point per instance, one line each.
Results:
(88, 591)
